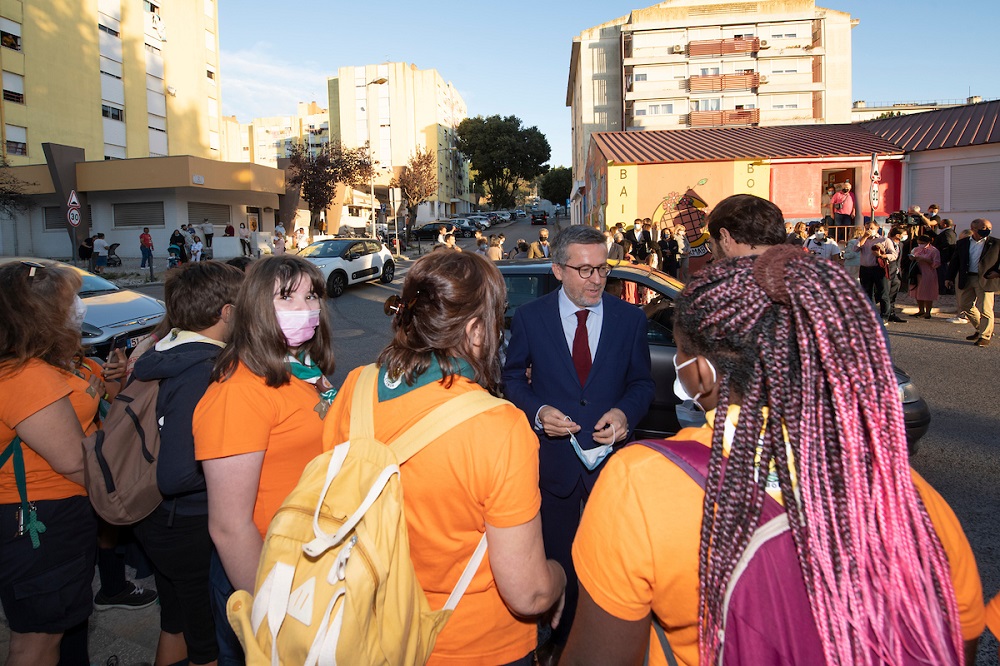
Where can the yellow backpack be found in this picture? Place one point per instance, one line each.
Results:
(335, 583)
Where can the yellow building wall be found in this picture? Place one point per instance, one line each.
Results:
(661, 186)
(60, 62)
(623, 194)
(61, 69)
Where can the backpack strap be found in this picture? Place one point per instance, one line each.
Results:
(29, 516)
(362, 412)
(693, 458)
(664, 644)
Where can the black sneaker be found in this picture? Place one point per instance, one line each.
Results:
(131, 598)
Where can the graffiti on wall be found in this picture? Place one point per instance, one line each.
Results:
(687, 210)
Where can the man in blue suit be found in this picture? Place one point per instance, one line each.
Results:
(589, 385)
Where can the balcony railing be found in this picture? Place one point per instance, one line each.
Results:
(718, 47)
(716, 118)
(719, 82)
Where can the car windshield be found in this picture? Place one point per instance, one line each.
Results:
(325, 249)
(94, 285)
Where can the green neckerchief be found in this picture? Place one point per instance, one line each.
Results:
(303, 368)
(389, 388)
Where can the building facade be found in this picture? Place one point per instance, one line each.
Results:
(695, 63)
(119, 79)
(266, 140)
(396, 108)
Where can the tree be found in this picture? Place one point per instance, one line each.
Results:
(503, 153)
(417, 182)
(317, 174)
(556, 185)
(12, 197)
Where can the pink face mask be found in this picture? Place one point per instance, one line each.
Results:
(299, 326)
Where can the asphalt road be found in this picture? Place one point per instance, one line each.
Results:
(960, 455)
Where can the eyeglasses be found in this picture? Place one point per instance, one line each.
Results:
(586, 271)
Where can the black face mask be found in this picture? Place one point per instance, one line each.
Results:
(983, 233)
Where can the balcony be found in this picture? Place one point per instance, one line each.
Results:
(717, 118)
(721, 47)
(720, 82)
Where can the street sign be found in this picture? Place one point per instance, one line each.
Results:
(874, 196)
(73, 215)
(74, 201)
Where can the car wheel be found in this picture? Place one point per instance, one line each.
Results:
(388, 272)
(336, 284)
(467, 233)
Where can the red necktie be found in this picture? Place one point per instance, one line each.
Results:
(581, 347)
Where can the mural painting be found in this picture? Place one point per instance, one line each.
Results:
(687, 210)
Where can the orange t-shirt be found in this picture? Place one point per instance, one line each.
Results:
(22, 393)
(638, 547)
(993, 617)
(244, 415)
(483, 471)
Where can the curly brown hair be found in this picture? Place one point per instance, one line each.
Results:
(36, 298)
(442, 293)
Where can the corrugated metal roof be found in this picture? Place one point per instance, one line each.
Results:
(741, 143)
(970, 125)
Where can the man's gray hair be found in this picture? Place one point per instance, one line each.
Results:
(576, 234)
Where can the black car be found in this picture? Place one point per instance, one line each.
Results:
(431, 230)
(528, 280)
(539, 217)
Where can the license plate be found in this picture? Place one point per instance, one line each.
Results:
(133, 342)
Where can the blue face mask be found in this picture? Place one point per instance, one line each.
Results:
(590, 458)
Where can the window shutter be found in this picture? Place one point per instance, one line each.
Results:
(144, 214)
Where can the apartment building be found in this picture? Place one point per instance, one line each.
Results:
(266, 140)
(705, 63)
(118, 78)
(396, 108)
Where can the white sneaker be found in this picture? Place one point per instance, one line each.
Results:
(958, 320)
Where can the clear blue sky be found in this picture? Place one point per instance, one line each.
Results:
(512, 56)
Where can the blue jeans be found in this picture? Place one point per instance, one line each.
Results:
(147, 256)
(230, 650)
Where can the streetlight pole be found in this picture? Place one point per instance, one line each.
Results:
(371, 153)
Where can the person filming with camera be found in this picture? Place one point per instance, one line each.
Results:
(876, 255)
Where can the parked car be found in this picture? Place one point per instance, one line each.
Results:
(430, 230)
(481, 221)
(520, 213)
(539, 217)
(504, 215)
(115, 316)
(347, 261)
(528, 280)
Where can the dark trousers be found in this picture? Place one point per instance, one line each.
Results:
(894, 285)
(875, 286)
(942, 273)
(560, 520)
(230, 650)
(245, 245)
(842, 220)
(147, 256)
(208, 239)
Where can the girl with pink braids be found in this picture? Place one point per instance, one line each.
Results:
(791, 364)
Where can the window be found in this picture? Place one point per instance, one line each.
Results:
(640, 77)
(711, 104)
(745, 107)
(13, 87)
(640, 112)
(142, 214)
(709, 71)
(152, 49)
(660, 109)
(110, 31)
(785, 106)
(17, 139)
(112, 112)
(786, 70)
(218, 214)
(151, 7)
(210, 8)
(210, 74)
(10, 34)
(210, 40)
(111, 68)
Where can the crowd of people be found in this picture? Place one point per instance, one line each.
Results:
(600, 551)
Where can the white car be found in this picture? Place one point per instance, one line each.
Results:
(346, 261)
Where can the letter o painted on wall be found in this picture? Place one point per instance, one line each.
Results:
(750, 183)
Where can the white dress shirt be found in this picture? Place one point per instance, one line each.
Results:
(567, 315)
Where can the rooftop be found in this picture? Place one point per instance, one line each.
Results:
(954, 127)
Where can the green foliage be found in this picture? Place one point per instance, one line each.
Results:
(12, 197)
(417, 181)
(888, 114)
(556, 185)
(318, 174)
(503, 153)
